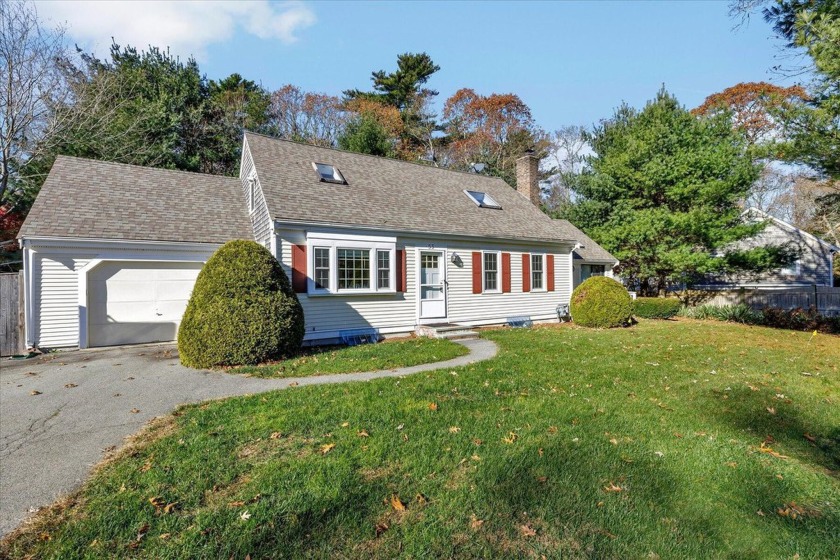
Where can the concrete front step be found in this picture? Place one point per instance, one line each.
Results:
(448, 331)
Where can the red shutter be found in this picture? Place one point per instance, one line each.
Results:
(526, 272)
(505, 272)
(401, 271)
(476, 272)
(299, 268)
(549, 273)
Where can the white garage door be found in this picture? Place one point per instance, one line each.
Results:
(137, 302)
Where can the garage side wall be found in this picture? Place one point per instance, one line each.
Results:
(54, 305)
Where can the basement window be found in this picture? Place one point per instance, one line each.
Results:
(482, 199)
(328, 173)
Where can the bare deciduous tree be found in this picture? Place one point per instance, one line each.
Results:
(30, 86)
(305, 116)
(566, 156)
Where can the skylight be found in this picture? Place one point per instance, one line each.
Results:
(328, 173)
(482, 199)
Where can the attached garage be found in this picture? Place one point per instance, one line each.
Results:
(111, 251)
(137, 302)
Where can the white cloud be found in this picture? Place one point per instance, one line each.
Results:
(187, 28)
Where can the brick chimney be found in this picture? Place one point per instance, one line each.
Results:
(527, 178)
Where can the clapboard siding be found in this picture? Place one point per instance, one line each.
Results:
(56, 299)
(260, 218)
(54, 283)
(325, 315)
(469, 308)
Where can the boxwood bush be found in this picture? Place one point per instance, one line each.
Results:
(601, 302)
(656, 308)
(242, 310)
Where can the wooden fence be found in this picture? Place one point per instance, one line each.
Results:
(825, 299)
(12, 338)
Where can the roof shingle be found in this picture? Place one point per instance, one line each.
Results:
(103, 200)
(386, 193)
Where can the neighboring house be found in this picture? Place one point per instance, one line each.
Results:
(590, 259)
(814, 267)
(111, 251)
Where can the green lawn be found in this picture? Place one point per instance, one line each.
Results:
(671, 439)
(367, 357)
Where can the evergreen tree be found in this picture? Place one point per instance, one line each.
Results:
(661, 193)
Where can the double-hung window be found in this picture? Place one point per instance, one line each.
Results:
(491, 272)
(537, 272)
(351, 265)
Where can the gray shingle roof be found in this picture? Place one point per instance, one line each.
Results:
(94, 199)
(386, 193)
(590, 251)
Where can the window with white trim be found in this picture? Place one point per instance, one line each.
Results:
(491, 272)
(252, 193)
(350, 264)
(383, 269)
(321, 268)
(537, 272)
(792, 269)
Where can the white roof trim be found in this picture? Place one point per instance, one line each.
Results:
(788, 226)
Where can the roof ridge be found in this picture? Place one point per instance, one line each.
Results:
(120, 164)
(340, 150)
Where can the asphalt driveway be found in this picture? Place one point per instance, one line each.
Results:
(61, 412)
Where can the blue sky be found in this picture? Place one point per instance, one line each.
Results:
(571, 62)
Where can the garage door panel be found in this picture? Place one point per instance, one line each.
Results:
(137, 302)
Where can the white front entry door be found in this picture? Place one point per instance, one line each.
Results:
(432, 292)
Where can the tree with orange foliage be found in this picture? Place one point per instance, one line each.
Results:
(755, 108)
(494, 129)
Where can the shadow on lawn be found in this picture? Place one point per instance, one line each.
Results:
(784, 424)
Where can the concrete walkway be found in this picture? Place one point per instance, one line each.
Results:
(59, 413)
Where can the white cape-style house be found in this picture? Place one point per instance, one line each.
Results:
(111, 251)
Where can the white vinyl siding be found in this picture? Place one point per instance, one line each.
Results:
(260, 218)
(53, 312)
(398, 312)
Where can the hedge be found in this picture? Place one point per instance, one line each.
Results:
(601, 302)
(656, 308)
(242, 310)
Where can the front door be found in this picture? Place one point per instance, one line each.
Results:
(432, 291)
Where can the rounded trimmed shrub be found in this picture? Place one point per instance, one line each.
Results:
(656, 307)
(601, 302)
(242, 310)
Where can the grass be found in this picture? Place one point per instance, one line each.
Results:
(670, 439)
(367, 357)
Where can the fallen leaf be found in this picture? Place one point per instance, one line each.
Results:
(771, 410)
(156, 501)
(476, 523)
(421, 499)
(345, 424)
(164, 536)
(236, 504)
(245, 516)
(433, 406)
(381, 528)
(613, 441)
(34, 392)
(275, 435)
(396, 503)
(542, 479)
(809, 437)
(527, 531)
(135, 410)
(552, 429)
(169, 508)
(512, 437)
(732, 464)
(613, 488)
(363, 433)
(70, 386)
(454, 429)
(326, 448)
